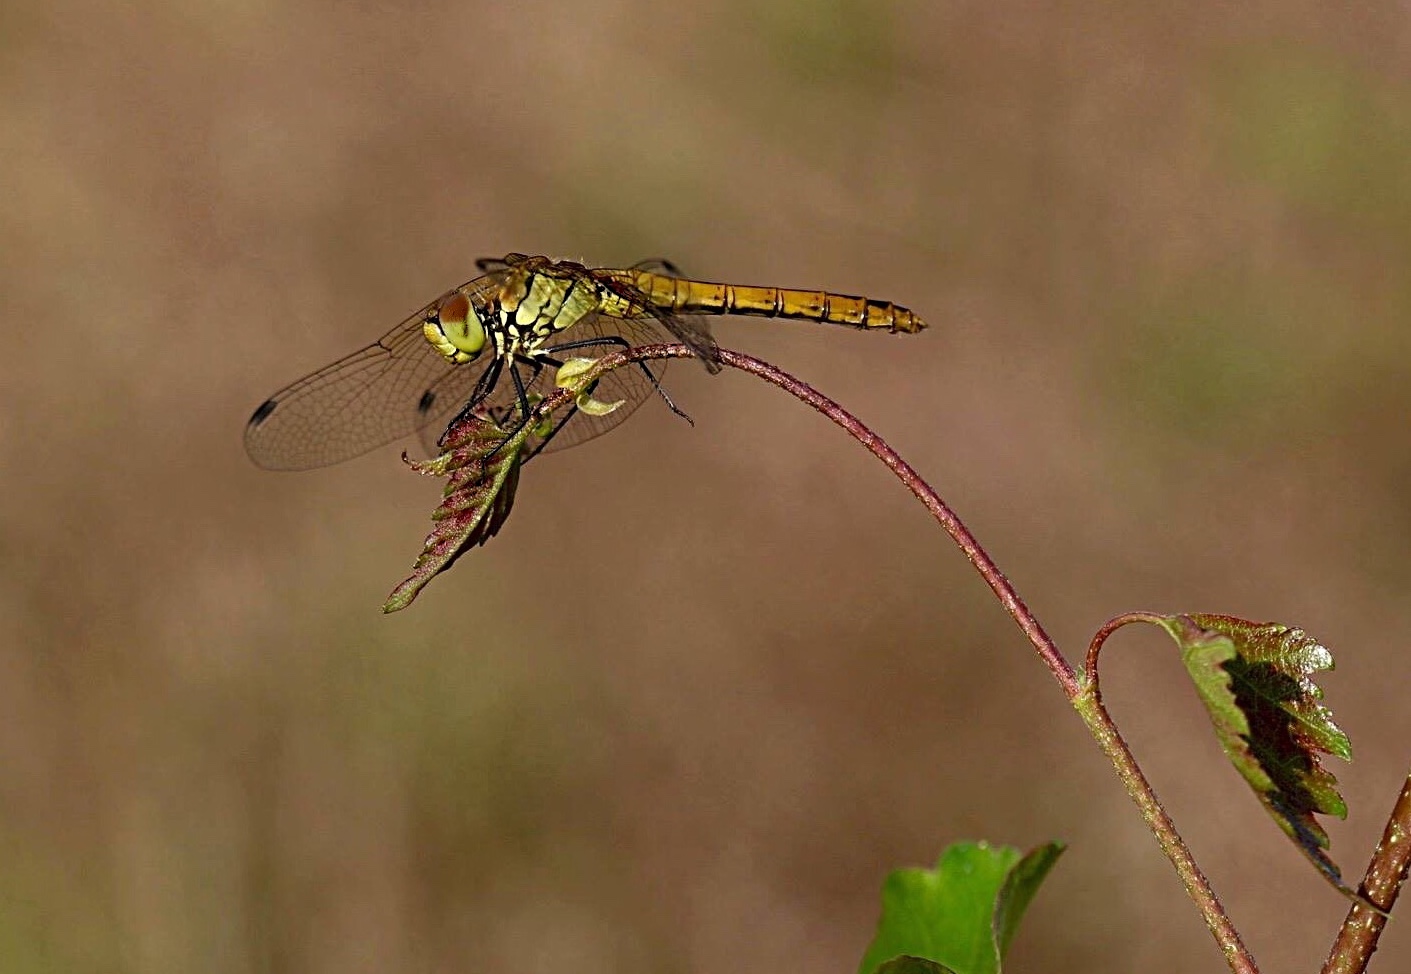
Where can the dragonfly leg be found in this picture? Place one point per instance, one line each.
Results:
(486, 385)
(665, 396)
(657, 265)
(621, 343)
(521, 388)
(569, 413)
(539, 447)
(492, 264)
(483, 387)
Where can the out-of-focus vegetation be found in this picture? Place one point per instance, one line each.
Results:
(1164, 253)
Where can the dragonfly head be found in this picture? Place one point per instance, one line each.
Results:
(455, 329)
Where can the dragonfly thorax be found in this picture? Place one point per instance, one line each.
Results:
(501, 342)
(455, 329)
(541, 298)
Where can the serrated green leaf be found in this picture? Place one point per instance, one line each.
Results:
(963, 913)
(1255, 681)
(482, 463)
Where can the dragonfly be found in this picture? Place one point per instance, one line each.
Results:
(492, 347)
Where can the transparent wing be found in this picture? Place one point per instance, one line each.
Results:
(658, 265)
(593, 337)
(693, 331)
(370, 398)
(442, 400)
(488, 265)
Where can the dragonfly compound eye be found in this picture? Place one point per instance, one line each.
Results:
(455, 329)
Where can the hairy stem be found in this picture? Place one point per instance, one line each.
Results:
(1357, 940)
(1105, 732)
(994, 578)
(1082, 692)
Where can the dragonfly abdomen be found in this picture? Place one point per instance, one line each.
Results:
(703, 297)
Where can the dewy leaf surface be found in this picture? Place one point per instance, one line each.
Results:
(962, 914)
(1255, 680)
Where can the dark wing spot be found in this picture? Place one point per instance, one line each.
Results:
(262, 413)
(428, 399)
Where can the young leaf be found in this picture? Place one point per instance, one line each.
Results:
(962, 914)
(483, 466)
(1019, 888)
(1255, 682)
(572, 376)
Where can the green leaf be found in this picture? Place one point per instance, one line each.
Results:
(913, 965)
(578, 376)
(963, 913)
(1255, 682)
(483, 463)
(1020, 886)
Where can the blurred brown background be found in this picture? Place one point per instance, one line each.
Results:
(710, 684)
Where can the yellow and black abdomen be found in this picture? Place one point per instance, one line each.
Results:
(703, 297)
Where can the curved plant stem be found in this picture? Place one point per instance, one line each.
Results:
(1105, 732)
(1082, 692)
(1386, 873)
(1060, 668)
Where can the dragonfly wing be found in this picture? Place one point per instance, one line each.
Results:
(370, 398)
(630, 385)
(491, 265)
(658, 265)
(693, 331)
(442, 400)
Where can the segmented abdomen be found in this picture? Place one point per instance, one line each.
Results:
(703, 297)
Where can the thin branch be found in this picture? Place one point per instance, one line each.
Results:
(1082, 692)
(1108, 628)
(1060, 668)
(1357, 940)
(1108, 737)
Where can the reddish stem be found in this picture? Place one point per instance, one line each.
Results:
(1081, 692)
(1357, 940)
(1105, 731)
(1060, 668)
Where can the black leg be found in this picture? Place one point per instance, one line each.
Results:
(521, 389)
(620, 342)
(483, 387)
(616, 340)
(539, 447)
(657, 265)
(486, 385)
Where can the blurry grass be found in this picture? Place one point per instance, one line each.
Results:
(50, 921)
(311, 786)
(1223, 358)
(1323, 133)
(1282, 334)
(377, 767)
(622, 201)
(829, 43)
